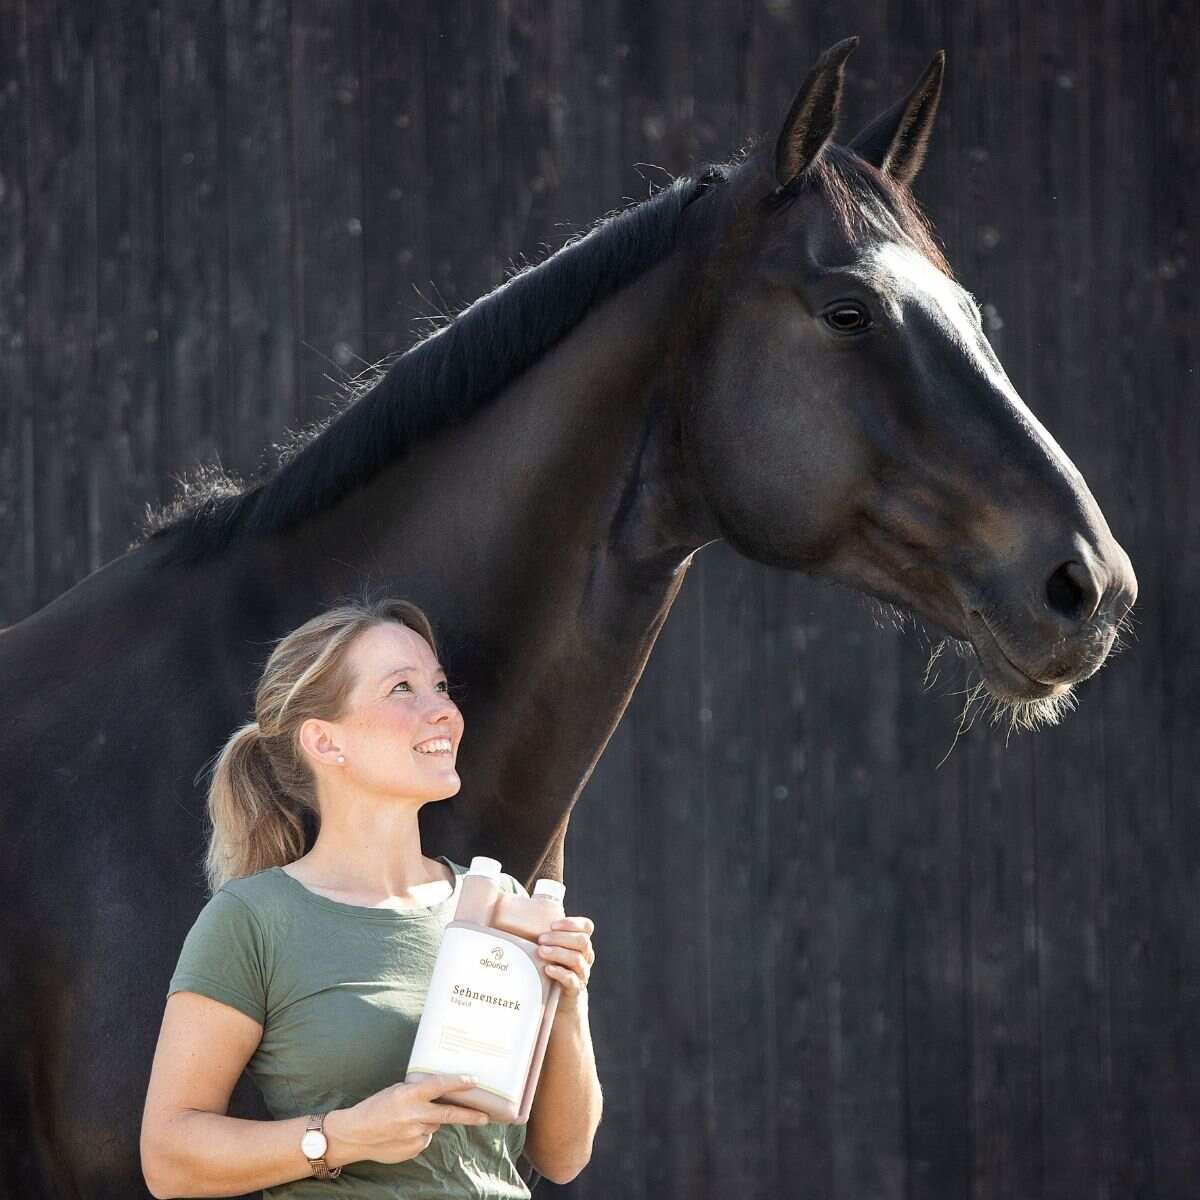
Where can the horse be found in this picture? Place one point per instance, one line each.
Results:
(771, 351)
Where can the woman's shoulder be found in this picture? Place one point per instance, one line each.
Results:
(262, 892)
(254, 884)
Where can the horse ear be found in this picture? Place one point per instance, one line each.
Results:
(813, 116)
(896, 140)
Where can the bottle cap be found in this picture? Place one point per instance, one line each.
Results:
(484, 866)
(550, 888)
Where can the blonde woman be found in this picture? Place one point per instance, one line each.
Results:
(310, 969)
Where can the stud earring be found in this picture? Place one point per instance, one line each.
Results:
(341, 758)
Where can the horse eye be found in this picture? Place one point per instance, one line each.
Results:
(847, 318)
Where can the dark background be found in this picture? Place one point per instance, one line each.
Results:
(826, 966)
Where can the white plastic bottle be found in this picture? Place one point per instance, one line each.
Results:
(490, 1004)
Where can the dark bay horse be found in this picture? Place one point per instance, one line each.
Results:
(772, 352)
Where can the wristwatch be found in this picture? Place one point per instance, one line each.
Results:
(314, 1145)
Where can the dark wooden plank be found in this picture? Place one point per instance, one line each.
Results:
(17, 570)
(802, 1075)
(261, 344)
(123, 460)
(1072, 970)
(396, 181)
(1152, 874)
(521, 143)
(577, 160)
(1003, 971)
(788, 873)
(598, 114)
(937, 1003)
(195, 408)
(854, 768)
(1172, 169)
(61, 296)
(675, 962)
(607, 862)
(736, 807)
(462, 162)
(327, 164)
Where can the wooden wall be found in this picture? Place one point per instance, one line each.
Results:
(827, 966)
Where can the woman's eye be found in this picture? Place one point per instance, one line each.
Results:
(404, 683)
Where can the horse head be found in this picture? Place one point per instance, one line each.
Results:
(846, 415)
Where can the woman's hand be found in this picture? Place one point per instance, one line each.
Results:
(398, 1122)
(567, 955)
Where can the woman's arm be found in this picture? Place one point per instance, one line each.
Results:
(567, 1104)
(208, 1154)
(189, 1147)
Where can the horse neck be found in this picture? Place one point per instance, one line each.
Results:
(536, 482)
(544, 540)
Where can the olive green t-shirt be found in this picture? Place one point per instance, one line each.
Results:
(339, 989)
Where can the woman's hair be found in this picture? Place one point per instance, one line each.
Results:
(263, 786)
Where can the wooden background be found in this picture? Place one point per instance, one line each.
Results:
(826, 966)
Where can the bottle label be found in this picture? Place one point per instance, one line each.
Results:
(482, 1012)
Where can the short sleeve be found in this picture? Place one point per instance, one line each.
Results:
(224, 956)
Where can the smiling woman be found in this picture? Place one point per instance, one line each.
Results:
(310, 969)
(337, 697)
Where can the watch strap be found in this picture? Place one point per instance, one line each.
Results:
(320, 1168)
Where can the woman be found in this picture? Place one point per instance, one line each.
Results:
(311, 969)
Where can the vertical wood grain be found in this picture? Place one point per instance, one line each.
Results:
(327, 48)
(123, 454)
(397, 198)
(17, 538)
(830, 963)
(261, 337)
(194, 298)
(61, 283)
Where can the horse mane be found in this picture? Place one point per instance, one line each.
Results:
(455, 370)
(449, 374)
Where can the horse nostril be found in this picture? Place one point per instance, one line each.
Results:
(1073, 592)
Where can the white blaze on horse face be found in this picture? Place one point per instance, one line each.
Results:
(900, 273)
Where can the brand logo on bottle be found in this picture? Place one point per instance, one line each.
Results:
(495, 961)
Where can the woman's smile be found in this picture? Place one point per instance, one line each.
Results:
(435, 747)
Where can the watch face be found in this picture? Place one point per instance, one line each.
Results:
(313, 1143)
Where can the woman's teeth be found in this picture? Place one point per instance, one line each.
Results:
(437, 746)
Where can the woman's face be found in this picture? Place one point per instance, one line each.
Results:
(399, 710)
